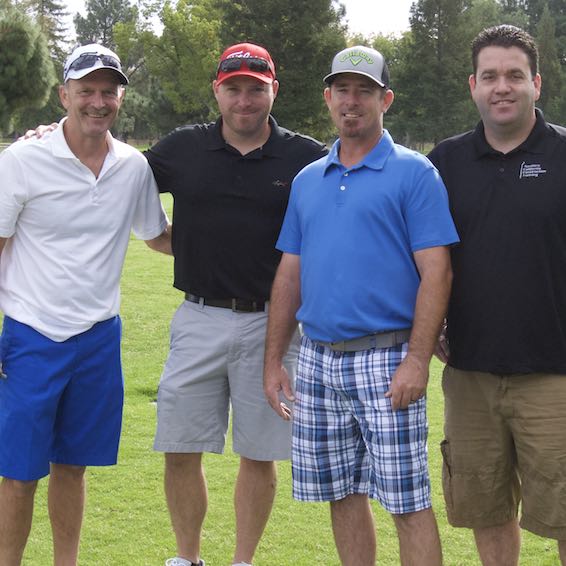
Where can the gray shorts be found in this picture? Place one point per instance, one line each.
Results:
(216, 361)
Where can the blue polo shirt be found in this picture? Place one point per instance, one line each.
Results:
(356, 230)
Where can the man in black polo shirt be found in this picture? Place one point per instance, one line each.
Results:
(230, 182)
(505, 382)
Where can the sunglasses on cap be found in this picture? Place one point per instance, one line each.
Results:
(255, 64)
(87, 60)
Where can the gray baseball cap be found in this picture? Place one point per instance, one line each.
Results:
(360, 60)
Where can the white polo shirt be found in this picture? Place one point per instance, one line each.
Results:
(69, 231)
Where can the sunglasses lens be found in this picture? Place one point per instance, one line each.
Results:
(230, 65)
(258, 65)
(110, 61)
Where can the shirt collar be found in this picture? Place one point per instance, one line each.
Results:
(375, 159)
(217, 142)
(531, 145)
(60, 148)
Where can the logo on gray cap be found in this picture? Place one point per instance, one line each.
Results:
(362, 61)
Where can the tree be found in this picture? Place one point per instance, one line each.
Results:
(432, 91)
(183, 59)
(302, 37)
(549, 65)
(101, 17)
(49, 15)
(26, 70)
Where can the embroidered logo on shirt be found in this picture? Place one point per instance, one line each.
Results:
(280, 184)
(530, 170)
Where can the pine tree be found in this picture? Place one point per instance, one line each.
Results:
(101, 17)
(26, 69)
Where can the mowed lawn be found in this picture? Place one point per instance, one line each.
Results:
(126, 520)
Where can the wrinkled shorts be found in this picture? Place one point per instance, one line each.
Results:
(346, 437)
(216, 362)
(505, 444)
(60, 402)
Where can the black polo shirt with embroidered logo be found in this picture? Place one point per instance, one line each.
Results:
(228, 208)
(507, 311)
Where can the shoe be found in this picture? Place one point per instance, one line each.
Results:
(241, 564)
(182, 562)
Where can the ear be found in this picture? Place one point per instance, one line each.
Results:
(64, 96)
(388, 98)
(538, 85)
(327, 96)
(472, 83)
(275, 85)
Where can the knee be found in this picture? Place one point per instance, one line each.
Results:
(411, 521)
(18, 488)
(183, 463)
(66, 472)
(259, 469)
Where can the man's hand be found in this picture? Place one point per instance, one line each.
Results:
(442, 350)
(409, 383)
(39, 131)
(275, 381)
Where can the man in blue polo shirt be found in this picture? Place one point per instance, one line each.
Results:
(366, 269)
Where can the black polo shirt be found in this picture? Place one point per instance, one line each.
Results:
(507, 311)
(228, 208)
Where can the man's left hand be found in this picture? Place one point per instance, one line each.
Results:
(409, 383)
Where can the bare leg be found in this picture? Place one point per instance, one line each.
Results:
(16, 503)
(253, 500)
(66, 500)
(562, 551)
(354, 530)
(419, 543)
(187, 499)
(499, 545)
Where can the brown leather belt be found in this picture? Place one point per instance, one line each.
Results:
(237, 305)
(378, 340)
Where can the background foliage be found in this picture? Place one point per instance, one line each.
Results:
(171, 48)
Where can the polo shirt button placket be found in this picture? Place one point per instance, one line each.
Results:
(94, 193)
(340, 200)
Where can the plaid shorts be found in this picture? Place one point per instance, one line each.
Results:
(346, 437)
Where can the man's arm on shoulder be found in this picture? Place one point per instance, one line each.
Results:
(410, 380)
(283, 306)
(163, 242)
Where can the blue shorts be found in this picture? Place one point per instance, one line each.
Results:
(60, 402)
(346, 437)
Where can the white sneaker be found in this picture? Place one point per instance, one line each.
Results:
(241, 564)
(182, 562)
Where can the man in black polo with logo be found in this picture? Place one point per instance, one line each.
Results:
(505, 382)
(230, 183)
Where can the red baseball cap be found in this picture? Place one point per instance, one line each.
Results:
(246, 59)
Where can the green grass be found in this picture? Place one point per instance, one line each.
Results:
(126, 520)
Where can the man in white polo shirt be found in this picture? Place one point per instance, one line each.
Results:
(68, 202)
